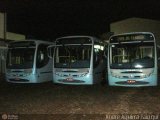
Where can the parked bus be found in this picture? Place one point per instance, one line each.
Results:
(28, 62)
(78, 60)
(132, 60)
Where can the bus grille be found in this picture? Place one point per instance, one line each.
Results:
(19, 80)
(73, 81)
(136, 83)
(136, 77)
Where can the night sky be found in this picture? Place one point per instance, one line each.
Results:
(42, 19)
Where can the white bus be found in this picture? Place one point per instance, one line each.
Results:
(78, 60)
(132, 60)
(28, 62)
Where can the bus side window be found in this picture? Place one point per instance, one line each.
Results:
(42, 56)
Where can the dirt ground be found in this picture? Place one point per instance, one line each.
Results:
(76, 102)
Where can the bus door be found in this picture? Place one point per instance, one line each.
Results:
(43, 64)
(98, 63)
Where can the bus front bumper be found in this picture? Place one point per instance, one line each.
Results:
(149, 81)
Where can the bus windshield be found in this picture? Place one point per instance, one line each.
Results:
(132, 55)
(72, 56)
(18, 58)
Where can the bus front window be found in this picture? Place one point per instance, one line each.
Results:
(73, 56)
(18, 58)
(125, 56)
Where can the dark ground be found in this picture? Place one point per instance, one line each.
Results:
(48, 99)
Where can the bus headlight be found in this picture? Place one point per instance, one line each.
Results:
(84, 74)
(58, 74)
(8, 70)
(115, 75)
(145, 76)
(149, 74)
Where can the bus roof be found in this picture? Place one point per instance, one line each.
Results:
(74, 36)
(132, 36)
(131, 33)
(81, 36)
(37, 41)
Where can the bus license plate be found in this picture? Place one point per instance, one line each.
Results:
(17, 78)
(131, 81)
(69, 79)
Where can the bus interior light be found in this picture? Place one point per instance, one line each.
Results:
(99, 47)
(138, 66)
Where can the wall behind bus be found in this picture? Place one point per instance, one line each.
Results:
(15, 36)
(4, 37)
(137, 25)
(2, 25)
